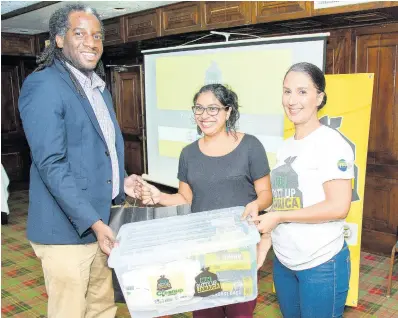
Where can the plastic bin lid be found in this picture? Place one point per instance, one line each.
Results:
(172, 238)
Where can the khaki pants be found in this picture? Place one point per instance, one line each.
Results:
(78, 281)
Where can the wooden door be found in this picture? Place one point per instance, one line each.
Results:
(338, 52)
(15, 152)
(10, 120)
(15, 155)
(127, 88)
(378, 53)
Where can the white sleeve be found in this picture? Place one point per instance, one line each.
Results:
(336, 160)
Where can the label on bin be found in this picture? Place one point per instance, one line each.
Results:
(207, 283)
(160, 285)
(228, 260)
(166, 289)
(243, 287)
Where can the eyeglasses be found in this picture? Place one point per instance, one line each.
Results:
(211, 110)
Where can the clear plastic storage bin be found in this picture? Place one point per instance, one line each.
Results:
(185, 263)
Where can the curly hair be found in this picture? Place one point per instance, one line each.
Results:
(226, 97)
(59, 25)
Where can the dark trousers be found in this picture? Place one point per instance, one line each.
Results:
(241, 310)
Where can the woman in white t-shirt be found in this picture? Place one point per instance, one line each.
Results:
(311, 185)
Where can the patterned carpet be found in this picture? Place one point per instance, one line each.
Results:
(23, 293)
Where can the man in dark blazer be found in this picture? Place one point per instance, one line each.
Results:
(77, 166)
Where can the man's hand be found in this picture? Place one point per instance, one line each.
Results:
(132, 186)
(105, 236)
(262, 249)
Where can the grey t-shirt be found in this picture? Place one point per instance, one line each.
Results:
(225, 181)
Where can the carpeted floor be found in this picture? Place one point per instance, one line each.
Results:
(23, 293)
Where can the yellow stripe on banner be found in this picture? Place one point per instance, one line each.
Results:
(168, 148)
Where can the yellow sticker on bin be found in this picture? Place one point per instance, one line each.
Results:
(228, 260)
(167, 288)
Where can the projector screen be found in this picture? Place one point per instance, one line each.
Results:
(254, 69)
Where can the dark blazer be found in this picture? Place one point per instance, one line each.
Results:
(70, 177)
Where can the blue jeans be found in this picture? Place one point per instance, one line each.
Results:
(318, 292)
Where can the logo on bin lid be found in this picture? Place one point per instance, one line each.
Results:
(163, 283)
(207, 283)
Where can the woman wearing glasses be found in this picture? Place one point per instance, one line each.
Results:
(222, 169)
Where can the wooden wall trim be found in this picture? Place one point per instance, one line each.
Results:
(375, 29)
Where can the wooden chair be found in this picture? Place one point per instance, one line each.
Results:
(394, 250)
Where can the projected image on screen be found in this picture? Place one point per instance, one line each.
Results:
(253, 70)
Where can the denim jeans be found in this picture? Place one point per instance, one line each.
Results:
(318, 292)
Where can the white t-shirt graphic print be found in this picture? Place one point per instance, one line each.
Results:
(285, 191)
(297, 182)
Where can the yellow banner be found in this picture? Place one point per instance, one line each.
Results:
(348, 111)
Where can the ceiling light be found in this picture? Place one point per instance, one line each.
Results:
(119, 9)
